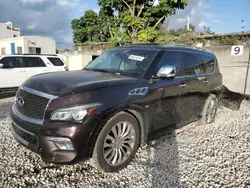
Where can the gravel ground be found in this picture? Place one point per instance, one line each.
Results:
(196, 155)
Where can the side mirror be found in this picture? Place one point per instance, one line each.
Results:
(1, 65)
(167, 71)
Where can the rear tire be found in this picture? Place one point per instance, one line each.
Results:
(117, 143)
(210, 110)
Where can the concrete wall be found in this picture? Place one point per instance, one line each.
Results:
(233, 68)
(76, 62)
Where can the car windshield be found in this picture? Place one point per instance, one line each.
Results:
(127, 62)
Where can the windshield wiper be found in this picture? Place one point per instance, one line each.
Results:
(103, 70)
(99, 70)
(130, 74)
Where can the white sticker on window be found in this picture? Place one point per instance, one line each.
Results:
(136, 58)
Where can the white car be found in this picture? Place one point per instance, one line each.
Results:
(15, 69)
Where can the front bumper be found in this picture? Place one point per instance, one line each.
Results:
(35, 138)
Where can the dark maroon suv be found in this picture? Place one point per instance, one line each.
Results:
(111, 107)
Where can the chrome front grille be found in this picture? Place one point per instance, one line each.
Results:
(31, 105)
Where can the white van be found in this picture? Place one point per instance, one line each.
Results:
(15, 69)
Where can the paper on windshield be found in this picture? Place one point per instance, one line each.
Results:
(136, 58)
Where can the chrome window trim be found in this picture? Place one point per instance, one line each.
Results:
(195, 75)
(194, 52)
(25, 118)
(39, 93)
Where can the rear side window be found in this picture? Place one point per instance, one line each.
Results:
(171, 58)
(12, 62)
(56, 61)
(193, 65)
(33, 62)
(209, 63)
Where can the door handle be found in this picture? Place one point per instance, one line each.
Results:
(183, 85)
(22, 71)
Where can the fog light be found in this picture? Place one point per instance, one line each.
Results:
(62, 143)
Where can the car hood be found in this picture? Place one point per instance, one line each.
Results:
(62, 83)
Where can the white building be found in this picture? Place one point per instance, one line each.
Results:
(27, 45)
(8, 31)
(11, 42)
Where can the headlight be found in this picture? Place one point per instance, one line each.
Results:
(75, 113)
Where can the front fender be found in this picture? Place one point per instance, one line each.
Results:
(132, 109)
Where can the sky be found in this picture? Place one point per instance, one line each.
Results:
(52, 18)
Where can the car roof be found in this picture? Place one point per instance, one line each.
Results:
(31, 55)
(174, 47)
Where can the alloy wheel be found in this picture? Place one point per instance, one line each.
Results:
(119, 143)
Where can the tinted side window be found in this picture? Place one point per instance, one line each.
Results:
(12, 62)
(33, 62)
(209, 63)
(171, 58)
(193, 64)
(55, 61)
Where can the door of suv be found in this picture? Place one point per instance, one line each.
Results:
(12, 74)
(168, 93)
(212, 77)
(196, 91)
(34, 66)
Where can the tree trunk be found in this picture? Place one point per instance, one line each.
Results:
(134, 36)
(159, 21)
(110, 29)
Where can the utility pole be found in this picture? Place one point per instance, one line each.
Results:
(242, 26)
(188, 23)
(248, 62)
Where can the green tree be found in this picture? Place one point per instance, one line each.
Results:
(85, 28)
(206, 29)
(147, 35)
(140, 19)
(119, 37)
(192, 27)
(137, 15)
(106, 23)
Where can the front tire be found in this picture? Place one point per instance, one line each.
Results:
(210, 110)
(117, 143)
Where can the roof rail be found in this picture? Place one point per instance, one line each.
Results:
(166, 45)
(134, 44)
(39, 54)
(186, 46)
